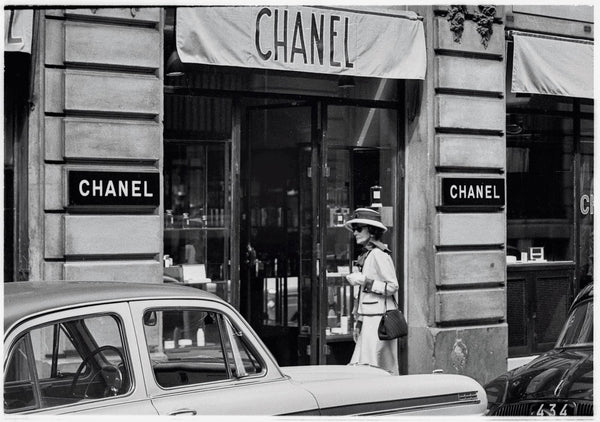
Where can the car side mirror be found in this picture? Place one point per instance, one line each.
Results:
(150, 319)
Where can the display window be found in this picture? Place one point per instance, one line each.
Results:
(197, 203)
(549, 178)
(540, 171)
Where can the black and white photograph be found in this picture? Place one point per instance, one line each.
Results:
(287, 209)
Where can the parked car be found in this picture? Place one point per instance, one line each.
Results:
(558, 382)
(128, 348)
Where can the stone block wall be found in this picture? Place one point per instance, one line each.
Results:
(99, 83)
(456, 265)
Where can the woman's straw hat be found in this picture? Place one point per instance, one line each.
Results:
(365, 216)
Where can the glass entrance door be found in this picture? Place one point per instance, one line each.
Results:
(277, 227)
(305, 167)
(361, 170)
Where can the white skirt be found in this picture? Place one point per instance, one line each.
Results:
(369, 350)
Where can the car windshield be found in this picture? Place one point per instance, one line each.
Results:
(579, 328)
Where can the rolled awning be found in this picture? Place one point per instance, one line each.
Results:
(304, 39)
(552, 65)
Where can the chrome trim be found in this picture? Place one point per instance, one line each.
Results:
(422, 407)
(402, 405)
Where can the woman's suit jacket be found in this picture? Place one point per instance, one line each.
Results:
(379, 268)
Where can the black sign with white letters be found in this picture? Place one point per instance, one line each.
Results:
(473, 192)
(104, 188)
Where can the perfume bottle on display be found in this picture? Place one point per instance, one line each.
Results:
(169, 219)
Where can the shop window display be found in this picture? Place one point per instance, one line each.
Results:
(549, 178)
(549, 214)
(540, 181)
(362, 147)
(197, 208)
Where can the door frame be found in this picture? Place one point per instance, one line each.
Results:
(319, 152)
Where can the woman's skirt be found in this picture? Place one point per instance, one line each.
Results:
(369, 350)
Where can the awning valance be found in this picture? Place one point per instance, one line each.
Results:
(18, 29)
(552, 65)
(303, 39)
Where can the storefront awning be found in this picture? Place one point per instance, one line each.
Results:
(18, 27)
(552, 65)
(304, 39)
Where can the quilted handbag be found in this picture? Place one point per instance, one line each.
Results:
(393, 324)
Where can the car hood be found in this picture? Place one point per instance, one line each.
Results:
(313, 373)
(559, 373)
(370, 390)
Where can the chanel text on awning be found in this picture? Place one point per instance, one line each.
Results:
(293, 38)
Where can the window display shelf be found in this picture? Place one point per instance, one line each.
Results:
(535, 265)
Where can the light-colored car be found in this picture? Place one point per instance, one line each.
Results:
(126, 348)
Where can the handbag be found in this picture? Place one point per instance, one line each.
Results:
(393, 324)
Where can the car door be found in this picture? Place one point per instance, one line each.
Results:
(201, 357)
(82, 360)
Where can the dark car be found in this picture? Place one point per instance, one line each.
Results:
(558, 382)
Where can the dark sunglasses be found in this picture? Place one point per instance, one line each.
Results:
(356, 227)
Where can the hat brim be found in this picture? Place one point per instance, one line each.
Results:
(364, 221)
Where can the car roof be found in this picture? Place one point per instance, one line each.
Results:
(26, 298)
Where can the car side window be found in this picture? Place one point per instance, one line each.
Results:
(248, 362)
(75, 360)
(191, 346)
(49, 339)
(19, 385)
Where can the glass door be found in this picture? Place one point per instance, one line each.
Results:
(360, 159)
(198, 186)
(277, 227)
(305, 167)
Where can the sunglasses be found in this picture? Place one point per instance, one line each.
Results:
(356, 227)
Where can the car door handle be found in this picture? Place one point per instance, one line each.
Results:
(183, 412)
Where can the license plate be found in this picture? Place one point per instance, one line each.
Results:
(552, 409)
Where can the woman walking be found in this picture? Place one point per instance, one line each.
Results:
(378, 291)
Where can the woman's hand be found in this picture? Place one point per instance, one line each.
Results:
(356, 279)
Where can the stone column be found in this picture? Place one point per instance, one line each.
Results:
(100, 102)
(455, 258)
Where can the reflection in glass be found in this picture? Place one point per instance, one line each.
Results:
(540, 152)
(362, 147)
(197, 199)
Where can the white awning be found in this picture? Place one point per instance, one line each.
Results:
(18, 29)
(304, 39)
(553, 66)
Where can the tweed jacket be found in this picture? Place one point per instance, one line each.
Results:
(379, 267)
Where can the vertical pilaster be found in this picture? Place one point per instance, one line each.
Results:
(456, 270)
(100, 109)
